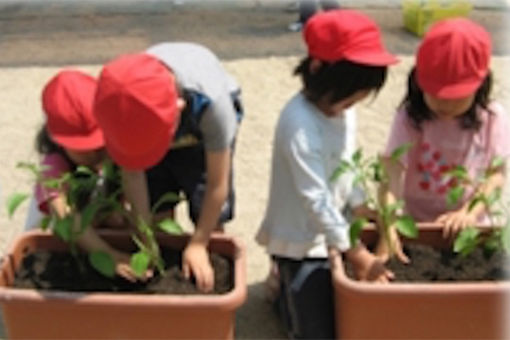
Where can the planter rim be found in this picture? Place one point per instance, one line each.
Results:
(233, 298)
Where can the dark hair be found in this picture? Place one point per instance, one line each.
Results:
(339, 80)
(418, 111)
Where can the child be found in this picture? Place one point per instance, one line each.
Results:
(170, 118)
(70, 138)
(449, 119)
(303, 223)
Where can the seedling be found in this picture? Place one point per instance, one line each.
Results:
(496, 210)
(91, 197)
(370, 175)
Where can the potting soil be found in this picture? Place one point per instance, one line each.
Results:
(44, 270)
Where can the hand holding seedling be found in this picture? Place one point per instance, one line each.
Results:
(455, 221)
(367, 266)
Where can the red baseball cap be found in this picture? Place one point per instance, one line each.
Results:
(453, 58)
(346, 34)
(136, 106)
(67, 101)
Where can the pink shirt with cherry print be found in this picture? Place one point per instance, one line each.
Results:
(439, 146)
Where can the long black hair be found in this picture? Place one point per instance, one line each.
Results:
(418, 111)
(339, 80)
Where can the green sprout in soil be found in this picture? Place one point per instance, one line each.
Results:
(370, 175)
(91, 198)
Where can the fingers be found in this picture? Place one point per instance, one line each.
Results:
(401, 256)
(202, 272)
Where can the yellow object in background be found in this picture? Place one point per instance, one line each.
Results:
(420, 14)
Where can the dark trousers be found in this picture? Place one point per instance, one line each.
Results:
(305, 303)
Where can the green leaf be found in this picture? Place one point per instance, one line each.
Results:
(14, 201)
(32, 167)
(407, 226)
(103, 263)
(459, 172)
(355, 229)
(88, 214)
(476, 200)
(63, 228)
(497, 162)
(341, 169)
(170, 226)
(45, 222)
(466, 241)
(400, 151)
(356, 158)
(378, 171)
(493, 242)
(166, 198)
(454, 195)
(140, 263)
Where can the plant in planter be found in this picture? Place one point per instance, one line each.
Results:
(419, 310)
(44, 313)
(92, 197)
(497, 212)
(369, 174)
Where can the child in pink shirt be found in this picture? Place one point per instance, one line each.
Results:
(450, 120)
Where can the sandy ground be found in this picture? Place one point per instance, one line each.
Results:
(267, 84)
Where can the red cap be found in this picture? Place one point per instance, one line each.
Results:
(346, 34)
(453, 59)
(136, 106)
(67, 102)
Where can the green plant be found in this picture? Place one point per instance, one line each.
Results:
(497, 211)
(92, 197)
(369, 174)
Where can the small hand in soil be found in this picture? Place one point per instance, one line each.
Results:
(195, 261)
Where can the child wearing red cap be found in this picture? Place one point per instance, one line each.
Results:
(71, 138)
(305, 220)
(450, 120)
(170, 118)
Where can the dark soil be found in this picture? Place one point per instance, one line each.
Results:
(46, 270)
(429, 265)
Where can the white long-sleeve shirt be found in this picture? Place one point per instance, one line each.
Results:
(303, 214)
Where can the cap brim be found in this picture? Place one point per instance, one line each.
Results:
(94, 140)
(454, 91)
(373, 59)
(141, 161)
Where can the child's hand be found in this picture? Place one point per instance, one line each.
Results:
(453, 222)
(124, 270)
(383, 250)
(367, 266)
(195, 260)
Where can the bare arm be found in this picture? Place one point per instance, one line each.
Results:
(195, 258)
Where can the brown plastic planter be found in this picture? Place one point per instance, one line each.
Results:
(30, 314)
(462, 310)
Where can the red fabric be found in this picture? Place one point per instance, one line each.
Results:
(67, 102)
(136, 106)
(346, 34)
(453, 58)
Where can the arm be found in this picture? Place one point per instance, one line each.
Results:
(195, 256)
(134, 184)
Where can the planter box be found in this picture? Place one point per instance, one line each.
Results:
(461, 310)
(31, 314)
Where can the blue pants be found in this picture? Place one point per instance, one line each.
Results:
(306, 302)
